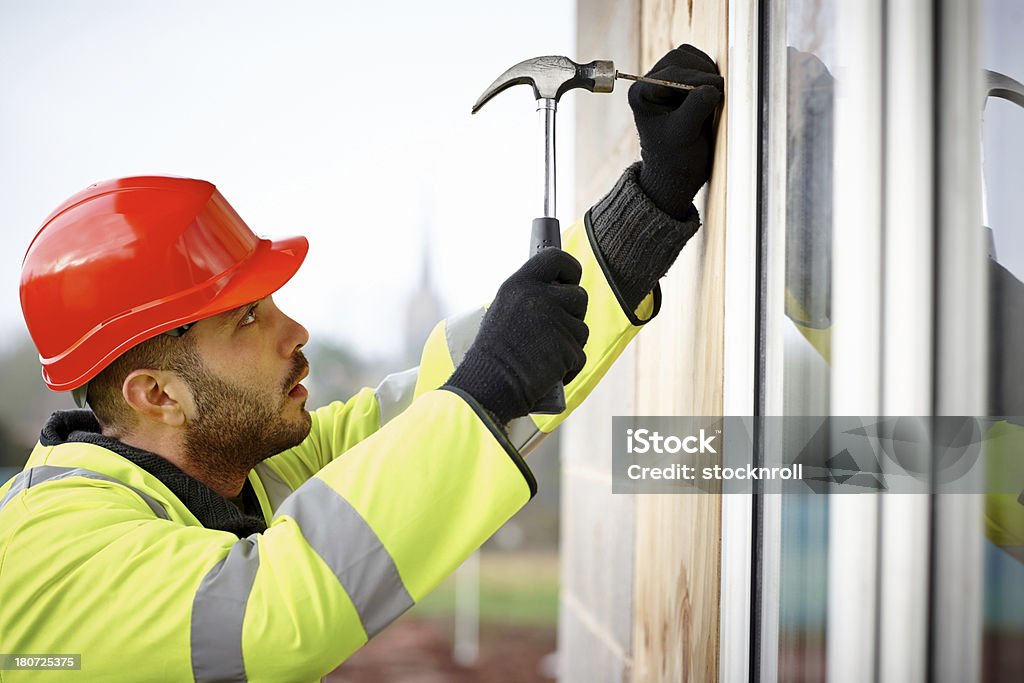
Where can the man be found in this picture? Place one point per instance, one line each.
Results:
(198, 522)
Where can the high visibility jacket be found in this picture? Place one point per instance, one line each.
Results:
(388, 494)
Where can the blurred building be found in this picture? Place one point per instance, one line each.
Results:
(423, 308)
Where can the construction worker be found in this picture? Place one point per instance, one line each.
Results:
(197, 522)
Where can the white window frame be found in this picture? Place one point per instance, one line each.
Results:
(891, 318)
(961, 333)
(740, 362)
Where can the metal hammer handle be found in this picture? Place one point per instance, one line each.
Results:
(545, 233)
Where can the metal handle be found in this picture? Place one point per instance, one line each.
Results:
(545, 232)
(546, 109)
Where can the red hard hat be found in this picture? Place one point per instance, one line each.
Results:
(128, 259)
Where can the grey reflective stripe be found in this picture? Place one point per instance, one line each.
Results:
(217, 613)
(460, 331)
(42, 473)
(347, 544)
(276, 487)
(395, 393)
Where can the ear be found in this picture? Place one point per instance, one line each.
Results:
(159, 396)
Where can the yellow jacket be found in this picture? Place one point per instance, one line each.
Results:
(388, 494)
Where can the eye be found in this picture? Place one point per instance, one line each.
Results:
(249, 317)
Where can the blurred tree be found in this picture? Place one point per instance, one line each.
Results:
(13, 452)
(25, 402)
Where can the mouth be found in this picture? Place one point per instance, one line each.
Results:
(297, 390)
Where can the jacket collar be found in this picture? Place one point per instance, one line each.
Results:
(213, 510)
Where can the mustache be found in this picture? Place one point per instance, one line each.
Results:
(299, 366)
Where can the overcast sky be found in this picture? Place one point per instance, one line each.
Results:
(345, 121)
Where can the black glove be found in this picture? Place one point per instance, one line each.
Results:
(531, 338)
(676, 128)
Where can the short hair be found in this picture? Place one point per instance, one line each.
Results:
(162, 352)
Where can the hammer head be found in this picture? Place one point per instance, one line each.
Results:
(551, 76)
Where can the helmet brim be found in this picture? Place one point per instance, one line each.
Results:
(271, 266)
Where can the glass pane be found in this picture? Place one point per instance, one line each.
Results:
(803, 595)
(1003, 147)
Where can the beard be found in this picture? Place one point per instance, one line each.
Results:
(238, 427)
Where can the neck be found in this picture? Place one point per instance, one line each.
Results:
(229, 486)
(226, 483)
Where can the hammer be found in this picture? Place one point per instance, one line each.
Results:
(551, 77)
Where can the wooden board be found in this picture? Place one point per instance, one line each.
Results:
(680, 372)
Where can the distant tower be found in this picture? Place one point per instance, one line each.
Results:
(423, 309)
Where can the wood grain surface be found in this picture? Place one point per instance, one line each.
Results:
(680, 372)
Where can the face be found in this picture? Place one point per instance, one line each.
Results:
(248, 403)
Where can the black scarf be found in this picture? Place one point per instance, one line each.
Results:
(213, 510)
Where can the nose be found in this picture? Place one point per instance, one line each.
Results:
(296, 336)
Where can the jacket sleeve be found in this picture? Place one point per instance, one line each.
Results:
(339, 426)
(348, 552)
(612, 326)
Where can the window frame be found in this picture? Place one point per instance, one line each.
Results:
(895, 320)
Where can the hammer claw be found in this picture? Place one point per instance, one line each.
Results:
(550, 76)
